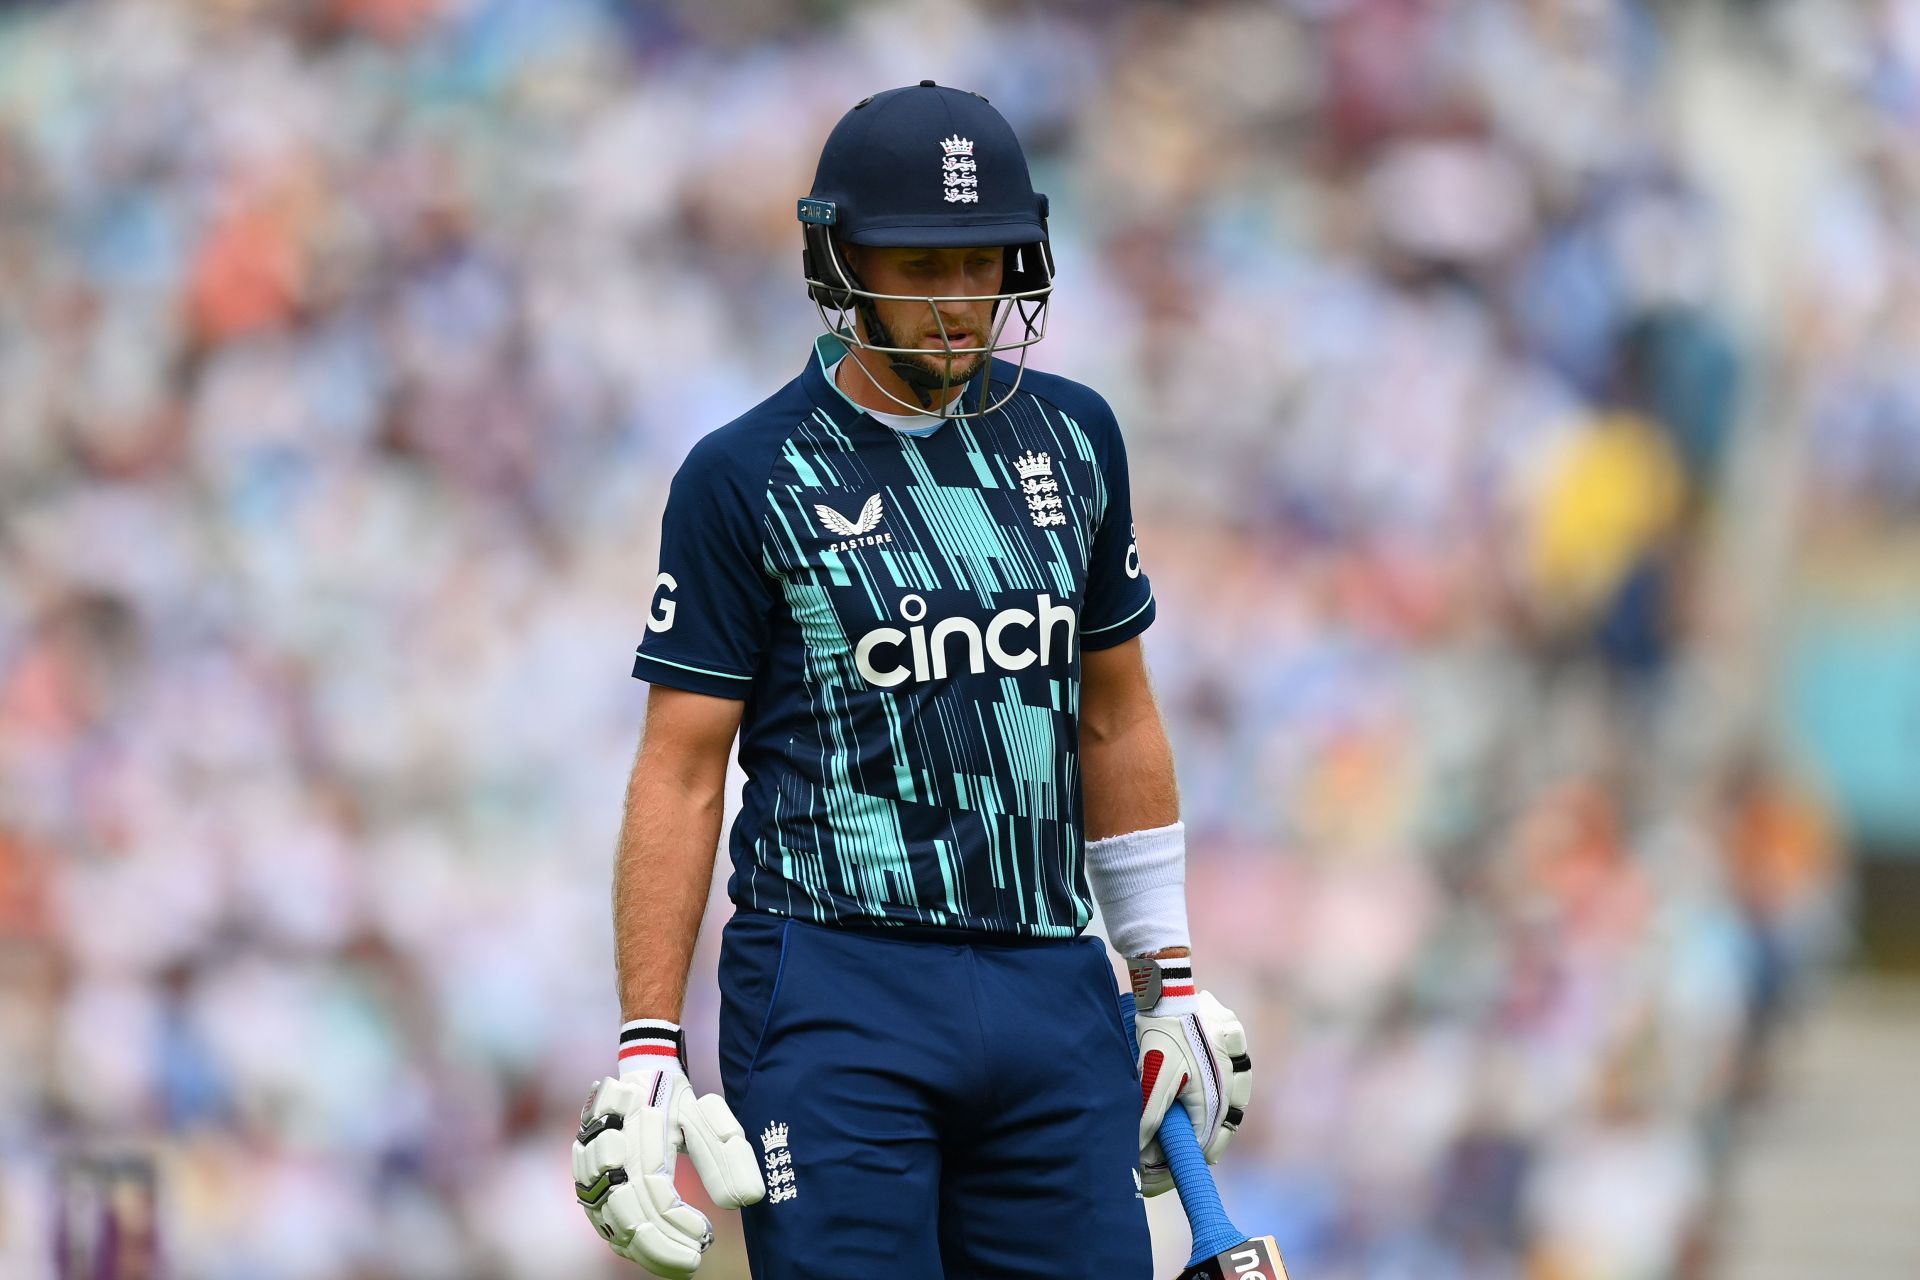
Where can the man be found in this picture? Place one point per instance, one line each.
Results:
(908, 581)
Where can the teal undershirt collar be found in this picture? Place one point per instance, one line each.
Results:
(830, 349)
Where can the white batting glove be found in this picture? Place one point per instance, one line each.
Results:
(631, 1133)
(1192, 1048)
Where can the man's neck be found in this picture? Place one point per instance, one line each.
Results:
(859, 384)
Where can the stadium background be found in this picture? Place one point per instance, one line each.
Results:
(1526, 442)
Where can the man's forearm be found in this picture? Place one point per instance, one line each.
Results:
(1129, 785)
(661, 877)
(1127, 777)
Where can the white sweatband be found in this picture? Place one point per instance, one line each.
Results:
(1140, 881)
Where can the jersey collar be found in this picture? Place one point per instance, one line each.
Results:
(826, 393)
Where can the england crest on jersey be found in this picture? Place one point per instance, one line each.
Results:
(1041, 489)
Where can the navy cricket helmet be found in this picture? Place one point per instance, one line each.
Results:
(926, 166)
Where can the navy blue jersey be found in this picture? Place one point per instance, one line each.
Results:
(903, 617)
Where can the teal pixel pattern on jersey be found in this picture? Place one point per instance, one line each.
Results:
(903, 617)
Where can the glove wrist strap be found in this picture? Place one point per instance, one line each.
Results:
(649, 1044)
(1164, 988)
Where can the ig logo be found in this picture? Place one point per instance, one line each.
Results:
(660, 615)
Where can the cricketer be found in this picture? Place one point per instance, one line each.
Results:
(908, 581)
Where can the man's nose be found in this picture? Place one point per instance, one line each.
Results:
(953, 283)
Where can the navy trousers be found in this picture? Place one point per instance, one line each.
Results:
(927, 1109)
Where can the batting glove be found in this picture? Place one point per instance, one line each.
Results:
(1192, 1048)
(631, 1132)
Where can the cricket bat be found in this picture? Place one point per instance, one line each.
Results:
(1221, 1251)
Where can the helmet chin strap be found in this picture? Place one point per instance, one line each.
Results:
(920, 380)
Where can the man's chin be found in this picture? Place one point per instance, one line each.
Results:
(952, 368)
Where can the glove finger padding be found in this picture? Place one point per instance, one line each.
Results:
(654, 1152)
(600, 1148)
(1164, 1073)
(1228, 1039)
(1190, 1070)
(638, 1237)
(721, 1153)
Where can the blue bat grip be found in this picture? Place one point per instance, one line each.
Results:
(1213, 1232)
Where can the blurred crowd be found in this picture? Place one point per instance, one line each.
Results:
(1853, 330)
(347, 347)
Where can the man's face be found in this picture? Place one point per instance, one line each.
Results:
(955, 273)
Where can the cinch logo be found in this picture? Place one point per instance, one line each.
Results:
(929, 652)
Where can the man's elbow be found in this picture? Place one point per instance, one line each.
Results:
(685, 746)
(680, 773)
(1107, 723)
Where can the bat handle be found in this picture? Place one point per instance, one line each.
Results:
(1213, 1232)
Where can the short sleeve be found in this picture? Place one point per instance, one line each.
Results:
(707, 613)
(1119, 604)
